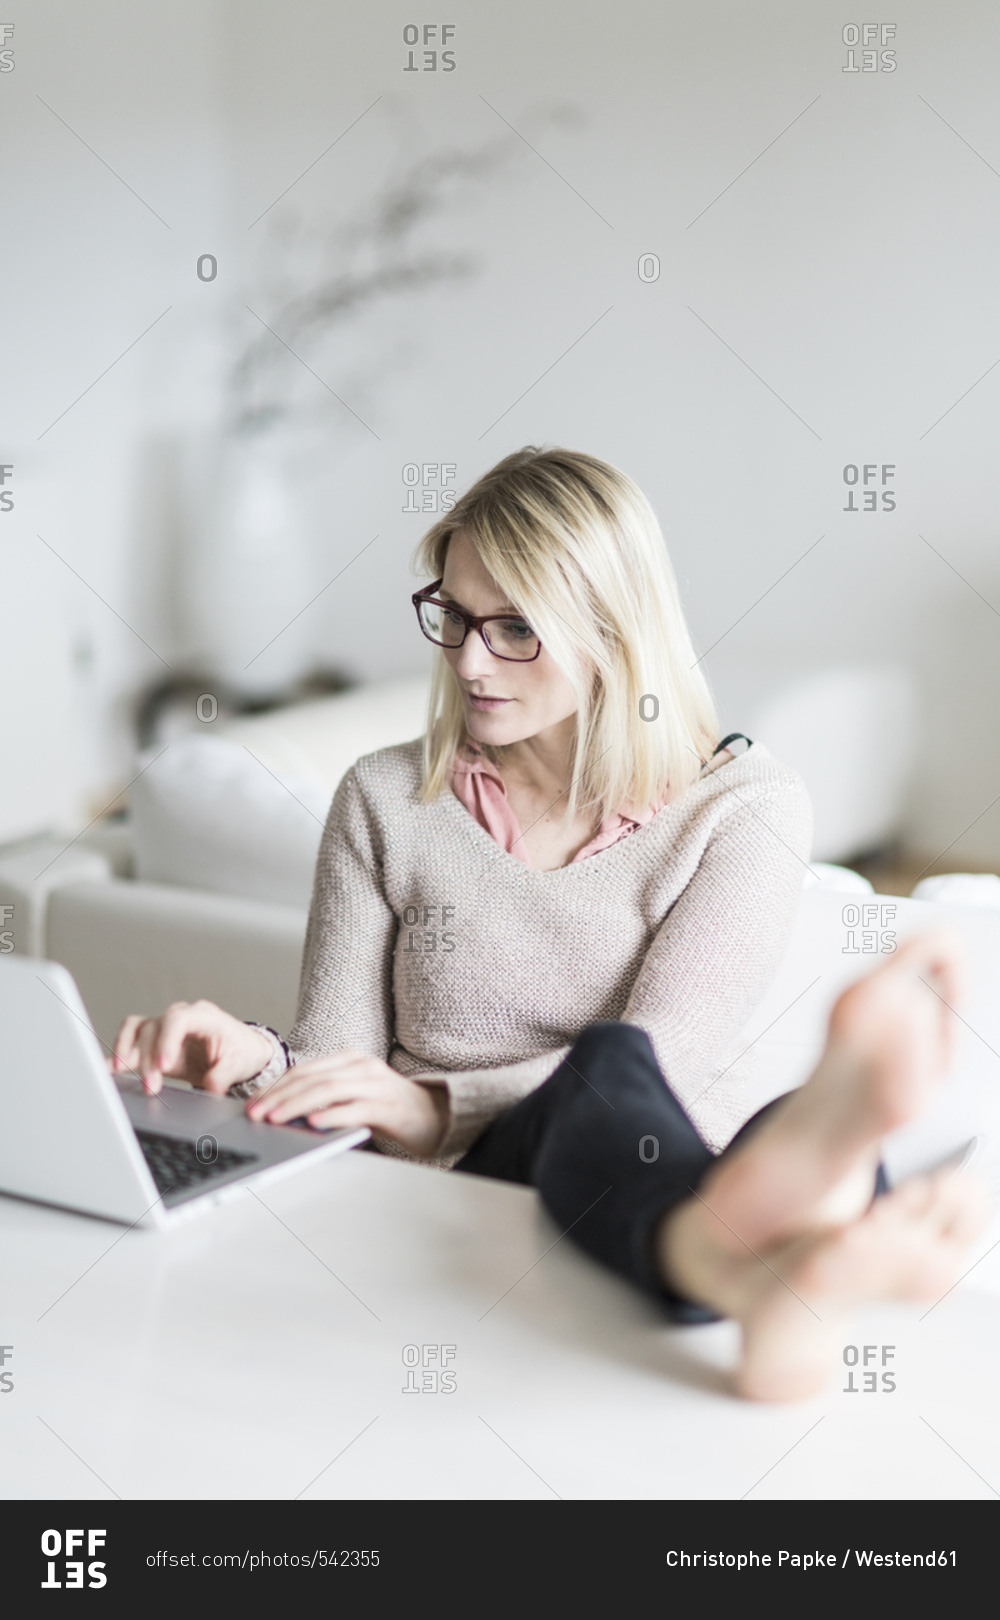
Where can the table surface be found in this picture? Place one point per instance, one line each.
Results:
(261, 1351)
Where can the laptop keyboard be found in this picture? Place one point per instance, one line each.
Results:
(176, 1165)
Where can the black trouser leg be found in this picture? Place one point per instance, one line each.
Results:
(610, 1150)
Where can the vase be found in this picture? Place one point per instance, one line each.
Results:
(245, 567)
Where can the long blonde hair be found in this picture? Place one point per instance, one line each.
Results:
(577, 549)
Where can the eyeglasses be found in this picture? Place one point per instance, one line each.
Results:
(446, 625)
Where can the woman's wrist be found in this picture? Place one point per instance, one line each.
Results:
(442, 1108)
(273, 1061)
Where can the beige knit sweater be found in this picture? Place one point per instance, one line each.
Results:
(429, 946)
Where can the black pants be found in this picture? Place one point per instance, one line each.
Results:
(610, 1150)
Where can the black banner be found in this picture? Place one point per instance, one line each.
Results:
(356, 1553)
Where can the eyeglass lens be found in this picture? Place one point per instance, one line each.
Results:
(508, 638)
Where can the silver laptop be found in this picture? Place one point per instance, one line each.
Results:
(74, 1135)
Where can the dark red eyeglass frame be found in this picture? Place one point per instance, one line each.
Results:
(471, 623)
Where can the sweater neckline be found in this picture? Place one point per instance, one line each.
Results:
(498, 851)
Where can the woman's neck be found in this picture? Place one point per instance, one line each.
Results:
(541, 766)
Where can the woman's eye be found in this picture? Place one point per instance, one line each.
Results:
(452, 618)
(519, 628)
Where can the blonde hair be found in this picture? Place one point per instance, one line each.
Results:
(577, 549)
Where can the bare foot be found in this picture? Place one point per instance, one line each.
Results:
(782, 1233)
(910, 1245)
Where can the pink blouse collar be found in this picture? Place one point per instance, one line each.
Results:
(477, 783)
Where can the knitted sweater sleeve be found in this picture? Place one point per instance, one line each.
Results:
(707, 967)
(345, 987)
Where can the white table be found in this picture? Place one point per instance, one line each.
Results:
(258, 1351)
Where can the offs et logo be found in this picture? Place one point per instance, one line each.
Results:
(65, 1565)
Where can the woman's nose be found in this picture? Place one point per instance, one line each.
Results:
(473, 657)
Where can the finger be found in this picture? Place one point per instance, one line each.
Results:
(358, 1073)
(125, 1051)
(204, 1061)
(303, 1098)
(179, 1021)
(364, 1111)
(152, 1079)
(319, 1073)
(276, 1092)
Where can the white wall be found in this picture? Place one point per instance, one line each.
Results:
(852, 267)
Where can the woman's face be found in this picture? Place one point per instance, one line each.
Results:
(505, 702)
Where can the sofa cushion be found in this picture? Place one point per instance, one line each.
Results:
(240, 809)
(208, 814)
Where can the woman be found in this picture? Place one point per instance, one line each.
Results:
(536, 933)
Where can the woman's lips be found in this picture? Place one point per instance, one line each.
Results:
(487, 703)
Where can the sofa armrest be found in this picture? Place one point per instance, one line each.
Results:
(136, 947)
(30, 873)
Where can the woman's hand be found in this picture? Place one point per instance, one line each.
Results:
(348, 1088)
(194, 1041)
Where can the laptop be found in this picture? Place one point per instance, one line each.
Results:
(74, 1135)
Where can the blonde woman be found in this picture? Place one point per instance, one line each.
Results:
(536, 932)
